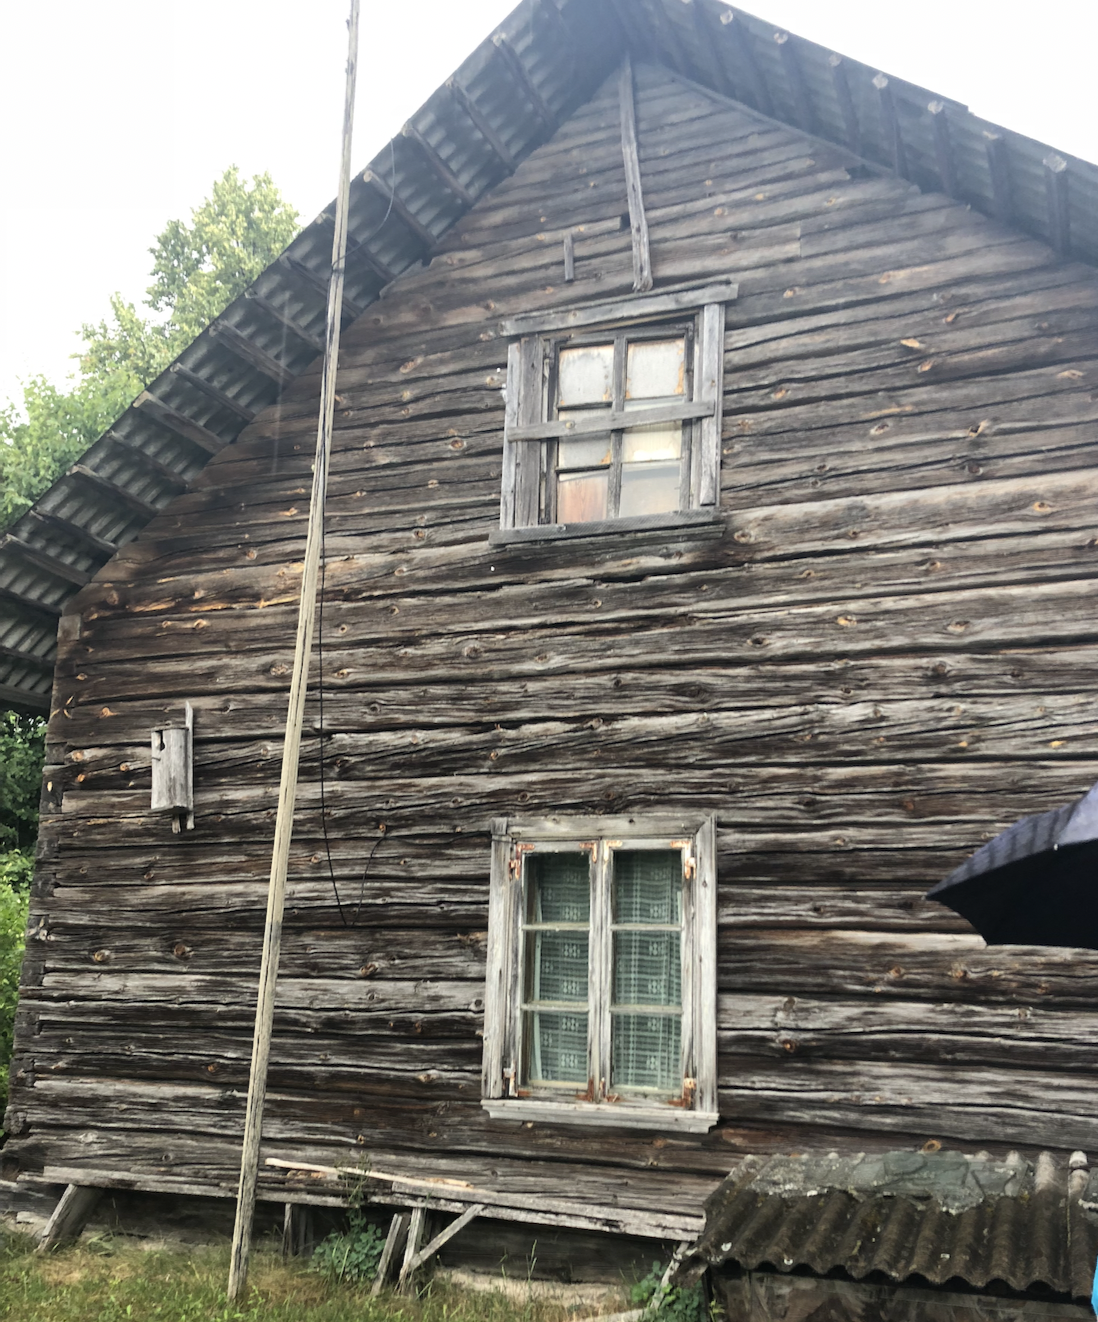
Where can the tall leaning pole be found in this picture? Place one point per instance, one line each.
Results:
(287, 794)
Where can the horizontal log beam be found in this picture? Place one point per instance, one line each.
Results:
(442, 171)
(10, 696)
(50, 564)
(525, 83)
(120, 495)
(319, 283)
(252, 354)
(177, 423)
(55, 523)
(284, 320)
(387, 192)
(25, 602)
(491, 138)
(212, 392)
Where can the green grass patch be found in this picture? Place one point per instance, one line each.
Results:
(114, 1280)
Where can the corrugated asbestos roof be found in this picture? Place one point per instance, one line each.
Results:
(515, 89)
(940, 1217)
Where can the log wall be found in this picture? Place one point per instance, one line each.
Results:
(890, 654)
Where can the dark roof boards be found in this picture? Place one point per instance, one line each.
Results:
(509, 96)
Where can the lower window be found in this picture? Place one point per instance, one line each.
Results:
(601, 995)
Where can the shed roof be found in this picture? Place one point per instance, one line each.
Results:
(941, 1217)
(514, 90)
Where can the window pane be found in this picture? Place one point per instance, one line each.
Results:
(558, 888)
(556, 966)
(556, 1046)
(649, 489)
(586, 376)
(647, 968)
(656, 368)
(581, 498)
(647, 1053)
(583, 451)
(648, 886)
(661, 440)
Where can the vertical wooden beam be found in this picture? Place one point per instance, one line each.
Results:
(69, 1217)
(637, 41)
(890, 121)
(295, 711)
(394, 1242)
(794, 75)
(665, 34)
(569, 258)
(416, 1232)
(943, 147)
(1002, 200)
(745, 49)
(841, 87)
(638, 222)
(1056, 194)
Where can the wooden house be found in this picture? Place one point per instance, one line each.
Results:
(709, 569)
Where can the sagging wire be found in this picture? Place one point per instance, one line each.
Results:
(320, 649)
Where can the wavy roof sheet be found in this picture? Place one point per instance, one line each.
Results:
(547, 57)
(939, 1217)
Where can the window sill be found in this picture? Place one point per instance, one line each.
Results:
(602, 1114)
(687, 523)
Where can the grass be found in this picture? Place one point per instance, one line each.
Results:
(112, 1280)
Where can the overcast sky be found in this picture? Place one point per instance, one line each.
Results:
(117, 116)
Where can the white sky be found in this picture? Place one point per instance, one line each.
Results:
(117, 115)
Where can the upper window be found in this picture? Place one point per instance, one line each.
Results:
(614, 424)
(600, 1004)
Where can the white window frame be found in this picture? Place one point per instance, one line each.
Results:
(513, 842)
(528, 427)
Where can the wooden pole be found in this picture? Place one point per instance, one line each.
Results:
(276, 895)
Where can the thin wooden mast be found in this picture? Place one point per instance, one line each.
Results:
(276, 895)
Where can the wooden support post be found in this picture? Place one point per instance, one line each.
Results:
(287, 793)
(638, 222)
(1056, 193)
(297, 1225)
(428, 1251)
(70, 1216)
(891, 124)
(841, 86)
(416, 1232)
(806, 116)
(394, 1242)
(1002, 200)
(943, 147)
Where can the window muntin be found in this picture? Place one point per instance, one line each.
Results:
(623, 471)
(600, 962)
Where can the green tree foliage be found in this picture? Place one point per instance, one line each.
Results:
(22, 748)
(198, 269)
